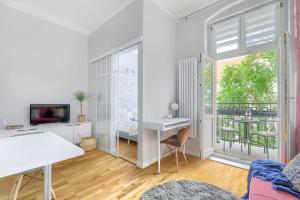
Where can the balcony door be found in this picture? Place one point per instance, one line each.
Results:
(117, 119)
(252, 99)
(207, 105)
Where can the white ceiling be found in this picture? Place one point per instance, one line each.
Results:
(86, 16)
(83, 16)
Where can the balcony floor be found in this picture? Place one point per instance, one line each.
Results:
(256, 152)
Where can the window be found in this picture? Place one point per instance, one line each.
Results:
(253, 30)
(261, 26)
(227, 36)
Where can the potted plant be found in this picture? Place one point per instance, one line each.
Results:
(80, 96)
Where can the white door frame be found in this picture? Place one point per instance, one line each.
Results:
(286, 25)
(286, 101)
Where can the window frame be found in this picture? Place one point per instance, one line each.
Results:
(242, 48)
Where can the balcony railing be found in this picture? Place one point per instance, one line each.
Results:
(254, 124)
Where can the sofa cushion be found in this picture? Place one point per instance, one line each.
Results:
(262, 190)
(292, 171)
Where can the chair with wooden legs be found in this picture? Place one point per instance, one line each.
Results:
(17, 185)
(177, 143)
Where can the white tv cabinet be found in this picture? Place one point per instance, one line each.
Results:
(72, 132)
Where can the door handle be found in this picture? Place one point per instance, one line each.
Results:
(18, 135)
(35, 133)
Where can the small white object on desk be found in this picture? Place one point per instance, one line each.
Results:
(3, 122)
(169, 116)
(24, 153)
(174, 106)
(161, 125)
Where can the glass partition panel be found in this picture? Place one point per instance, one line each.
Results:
(101, 112)
(208, 77)
(107, 107)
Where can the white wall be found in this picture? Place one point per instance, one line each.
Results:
(244, 4)
(159, 73)
(190, 33)
(39, 63)
(190, 42)
(119, 30)
(141, 19)
(190, 36)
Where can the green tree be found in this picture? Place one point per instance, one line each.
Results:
(253, 80)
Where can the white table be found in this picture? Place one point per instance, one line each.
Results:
(28, 152)
(161, 125)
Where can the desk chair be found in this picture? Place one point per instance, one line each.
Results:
(17, 186)
(177, 142)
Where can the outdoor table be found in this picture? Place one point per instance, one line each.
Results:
(246, 123)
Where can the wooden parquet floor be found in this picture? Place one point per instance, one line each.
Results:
(99, 176)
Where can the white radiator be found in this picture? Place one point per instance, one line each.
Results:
(188, 91)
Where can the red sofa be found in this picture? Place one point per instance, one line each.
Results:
(262, 190)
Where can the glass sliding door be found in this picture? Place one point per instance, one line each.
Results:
(127, 102)
(117, 103)
(106, 128)
(101, 111)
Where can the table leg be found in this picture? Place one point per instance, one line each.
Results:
(247, 136)
(47, 182)
(158, 151)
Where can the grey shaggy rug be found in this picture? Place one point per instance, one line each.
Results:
(187, 190)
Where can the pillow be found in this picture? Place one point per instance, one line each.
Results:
(292, 171)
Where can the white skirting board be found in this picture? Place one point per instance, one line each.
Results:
(143, 165)
(229, 162)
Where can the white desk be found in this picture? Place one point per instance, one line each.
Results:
(161, 125)
(24, 153)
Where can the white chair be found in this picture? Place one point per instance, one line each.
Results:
(17, 185)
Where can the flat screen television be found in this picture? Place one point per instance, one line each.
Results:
(49, 113)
